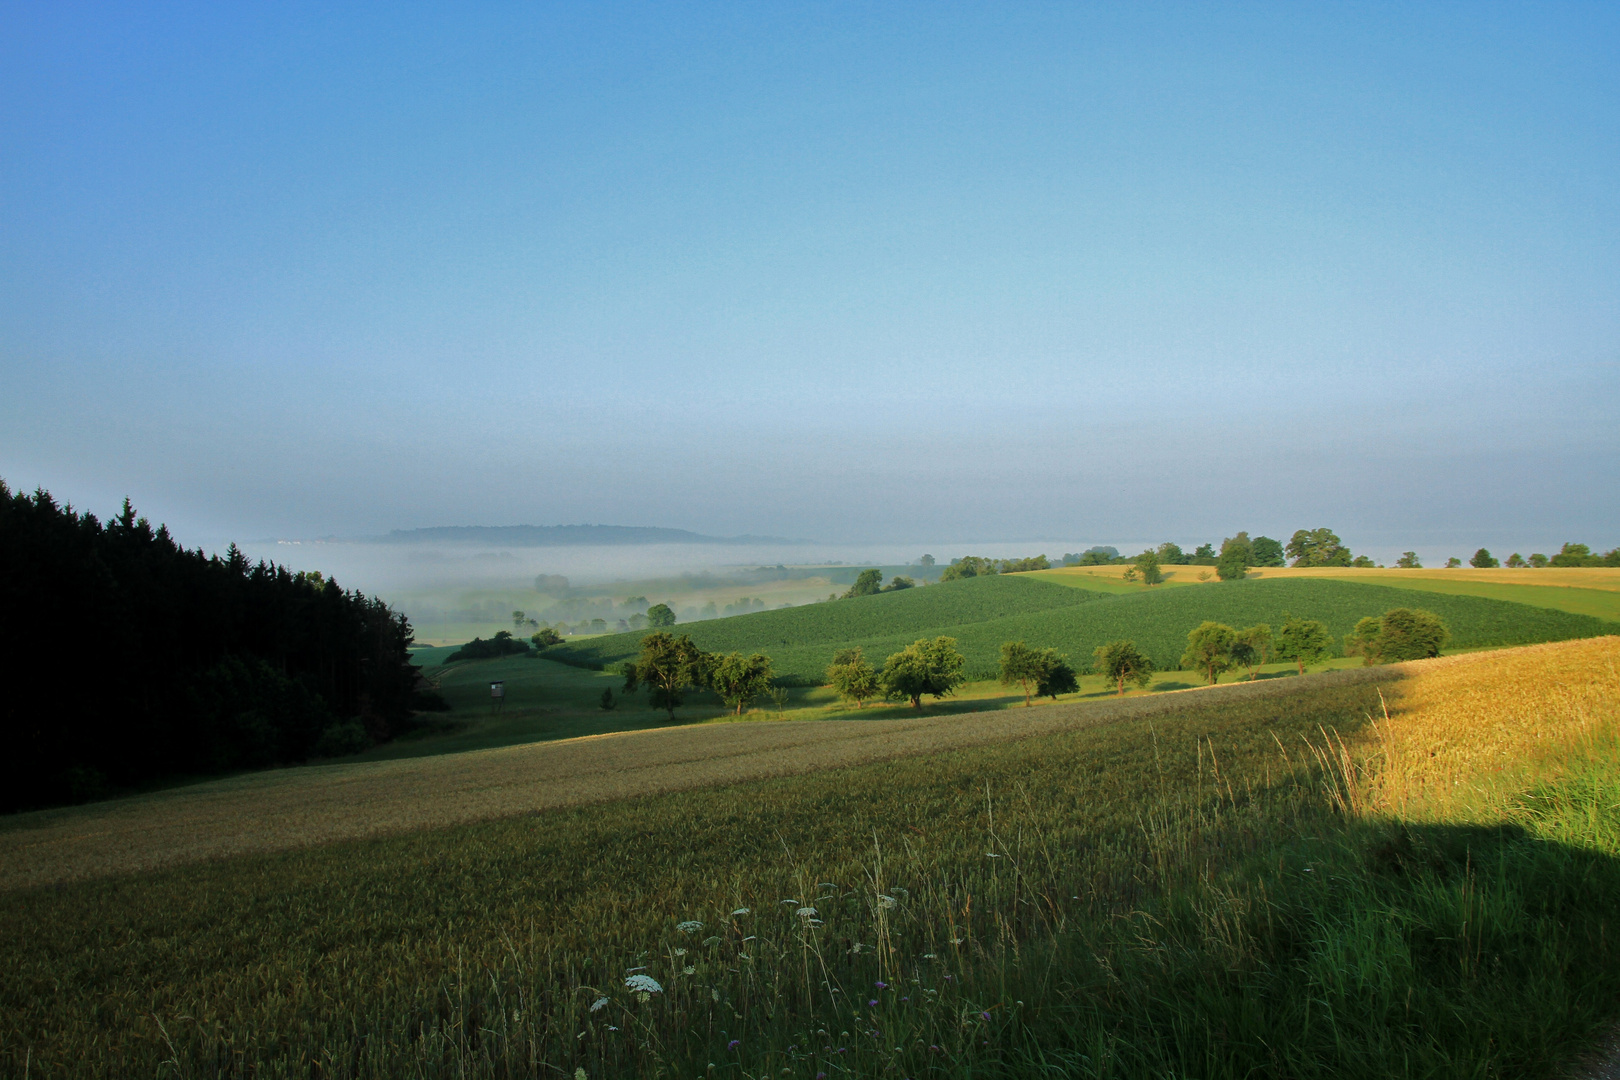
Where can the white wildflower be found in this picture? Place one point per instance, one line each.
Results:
(643, 984)
(790, 902)
(579, 1073)
(688, 970)
(690, 926)
(710, 942)
(599, 1004)
(806, 913)
(887, 903)
(680, 952)
(714, 993)
(740, 911)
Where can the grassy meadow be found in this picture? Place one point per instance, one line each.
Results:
(982, 613)
(1400, 871)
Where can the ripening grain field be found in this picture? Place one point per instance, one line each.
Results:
(1403, 875)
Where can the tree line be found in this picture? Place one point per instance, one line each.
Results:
(198, 665)
(669, 666)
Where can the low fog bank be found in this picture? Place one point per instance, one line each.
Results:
(384, 568)
(453, 592)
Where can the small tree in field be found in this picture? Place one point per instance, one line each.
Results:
(1232, 565)
(1057, 675)
(739, 679)
(1363, 640)
(1209, 649)
(1020, 665)
(1516, 561)
(1147, 568)
(924, 667)
(668, 665)
(852, 677)
(1267, 552)
(1043, 672)
(660, 616)
(1484, 560)
(1410, 634)
(1409, 561)
(1251, 646)
(1304, 641)
(1121, 662)
(867, 583)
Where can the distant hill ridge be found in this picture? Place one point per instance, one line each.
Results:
(565, 536)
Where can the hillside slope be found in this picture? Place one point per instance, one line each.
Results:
(905, 614)
(984, 612)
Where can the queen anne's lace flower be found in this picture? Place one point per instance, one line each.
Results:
(643, 984)
(599, 1004)
(689, 926)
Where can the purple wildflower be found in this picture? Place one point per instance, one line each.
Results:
(733, 1044)
(872, 1003)
(881, 985)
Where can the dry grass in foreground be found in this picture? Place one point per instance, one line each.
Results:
(293, 808)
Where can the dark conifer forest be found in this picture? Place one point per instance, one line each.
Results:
(134, 661)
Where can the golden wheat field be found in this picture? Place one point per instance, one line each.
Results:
(292, 808)
(1469, 729)
(1489, 715)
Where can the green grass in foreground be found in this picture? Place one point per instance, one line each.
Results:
(1175, 898)
(982, 613)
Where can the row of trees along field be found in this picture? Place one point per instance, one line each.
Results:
(1308, 547)
(669, 665)
(202, 664)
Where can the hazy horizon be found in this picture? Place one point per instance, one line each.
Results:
(882, 276)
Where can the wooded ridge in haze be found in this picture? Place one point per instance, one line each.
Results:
(566, 535)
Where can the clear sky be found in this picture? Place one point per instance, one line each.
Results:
(855, 273)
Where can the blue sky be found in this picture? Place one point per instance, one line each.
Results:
(932, 272)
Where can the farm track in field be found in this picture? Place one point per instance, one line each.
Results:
(294, 808)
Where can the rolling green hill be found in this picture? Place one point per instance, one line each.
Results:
(905, 614)
(981, 613)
